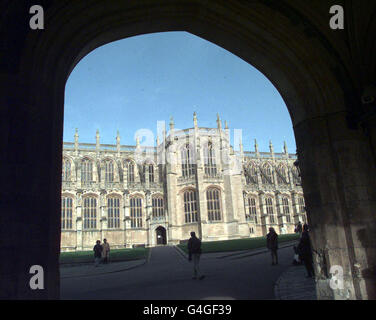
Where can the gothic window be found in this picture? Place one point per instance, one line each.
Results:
(157, 207)
(286, 209)
(86, 170)
(113, 213)
(267, 175)
(136, 212)
(214, 204)
(269, 208)
(108, 171)
(295, 175)
(301, 204)
(251, 211)
(129, 164)
(188, 169)
(66, 213)
(282, 176)
(209, 161)
(190, 206)
(90, 213)
(66, 174)
(151, 173)
(250, 174)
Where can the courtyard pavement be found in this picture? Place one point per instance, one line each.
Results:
(168, 276)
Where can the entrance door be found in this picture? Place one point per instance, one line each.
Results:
(161, 235)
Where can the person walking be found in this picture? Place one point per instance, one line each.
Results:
(194, 250)
(272, 244)
(299, 228)
(97, 253)
(105, 251)
(305, 251)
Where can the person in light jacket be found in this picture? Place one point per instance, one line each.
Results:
(105, 251)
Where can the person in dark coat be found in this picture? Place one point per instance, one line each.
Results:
(299, 228)
(97, 253)
(194, 250)
(272, 244)
(305, 251)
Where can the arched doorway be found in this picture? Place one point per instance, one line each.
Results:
(320, 73)
(160, 234)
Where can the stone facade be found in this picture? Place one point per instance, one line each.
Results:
(191, 181)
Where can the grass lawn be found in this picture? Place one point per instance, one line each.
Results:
(239, 244)
(115, 255)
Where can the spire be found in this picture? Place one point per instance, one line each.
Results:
(195, 119)
(76, 140)
(256, 146)
(219, 123)
(285, 147)
(271, 146)
(171, 123)
(97, 137)
(226, 125)
(137, 142)
(118, 141)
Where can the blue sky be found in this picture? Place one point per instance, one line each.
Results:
(130, 84)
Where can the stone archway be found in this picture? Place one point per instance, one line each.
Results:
(321, 75)
(161, 237)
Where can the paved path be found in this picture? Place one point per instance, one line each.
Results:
(167, 276)
(293, 285)
(87, 270)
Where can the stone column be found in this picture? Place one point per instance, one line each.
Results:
(79, 222)
(338, 176)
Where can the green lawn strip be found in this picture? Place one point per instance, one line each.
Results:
(116, 255)
(238, 244)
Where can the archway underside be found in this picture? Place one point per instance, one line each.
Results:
(309, 65)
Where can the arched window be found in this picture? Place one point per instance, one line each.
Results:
(66, 213)
(269, 208)
(108, 171)
(301, 205)
(188, 168)
(250, 172)
(251, 212)
(86, 170)
(190, 206)
(136, 212)
(286, 209)
(214, 204)
(129, 164)
(282, 176)
(90, 213)
(151, 173)
(295, 175)
(113, 213)
(157, 207)
(209, 161)
(66, 173)
(267, 174)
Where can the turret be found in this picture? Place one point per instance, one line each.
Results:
(97, 138)
(118, 141)
(76, 140)
(219, 123)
